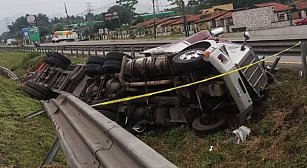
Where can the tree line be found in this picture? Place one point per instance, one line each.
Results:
(124, 8)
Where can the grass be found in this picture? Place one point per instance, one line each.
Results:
(278, 138)
(24, 143)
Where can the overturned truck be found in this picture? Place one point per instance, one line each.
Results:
(204, 107)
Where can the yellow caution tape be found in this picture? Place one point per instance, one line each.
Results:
(191, 84)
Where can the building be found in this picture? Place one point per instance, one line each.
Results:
(300, 10)
(280, 10)
(177, 27)
(261, 16)
(225, 7)
(165, 28)
(215, 20)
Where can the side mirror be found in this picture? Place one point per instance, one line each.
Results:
(246, 37)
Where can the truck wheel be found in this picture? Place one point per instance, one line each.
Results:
(111, 66)
(188, 61)
(40, 88)
(37, 91)
(92, 70)
(201, 126)
(115, 56)
(56, 62)
(59, 57)
(95, 60)
(34, 93)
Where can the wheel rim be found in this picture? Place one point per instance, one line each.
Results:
(192, 54)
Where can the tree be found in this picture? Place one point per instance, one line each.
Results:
(195, 5)
(125, 16)
(4, 36)
(43, 24)
(57, 27)
(15, 28)
(128, 3)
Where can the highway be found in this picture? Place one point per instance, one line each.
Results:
(292, 32)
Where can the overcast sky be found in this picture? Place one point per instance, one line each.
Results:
(11, 9)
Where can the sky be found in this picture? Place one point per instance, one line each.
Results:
(12, 9)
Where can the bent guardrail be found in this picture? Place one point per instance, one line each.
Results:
(89, 139)
(6, 72)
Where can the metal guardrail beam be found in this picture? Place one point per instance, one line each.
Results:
(6, 72)
(260, 47)
(89, 139)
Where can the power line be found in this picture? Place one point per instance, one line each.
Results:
(89, 7)
(157, 6)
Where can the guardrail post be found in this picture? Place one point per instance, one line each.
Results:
(103, 51)
(121, 49)
(113, 48)
(71, 52)
(82, 50)
(52, 152)
(132, 52)
(77, 51)
(95, 48)
(88, 50)
(304, 51)
(62, 49)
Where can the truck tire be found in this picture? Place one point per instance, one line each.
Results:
(42, 89)
(205, 128)
(92, 70)
(111, 66)
(34, 93)
(56, 62)
(188, 61)
(115, 56)
(59, 57)
(95, 60)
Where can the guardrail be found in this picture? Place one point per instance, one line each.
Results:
(89, 139)
(262, 47)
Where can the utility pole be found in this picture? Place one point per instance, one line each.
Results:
(154, 21)
(185, 23)
(67, 16)
(89, 11)
(104, 25)
(290, 13)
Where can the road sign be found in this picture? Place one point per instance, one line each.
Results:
(34, 34)
(25, 32)
(31, 19)
(111, 16)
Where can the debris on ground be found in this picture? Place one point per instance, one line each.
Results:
(242, 133)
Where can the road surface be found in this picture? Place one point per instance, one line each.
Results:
(292, 32)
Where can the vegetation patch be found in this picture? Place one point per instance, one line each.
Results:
(24, 143)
